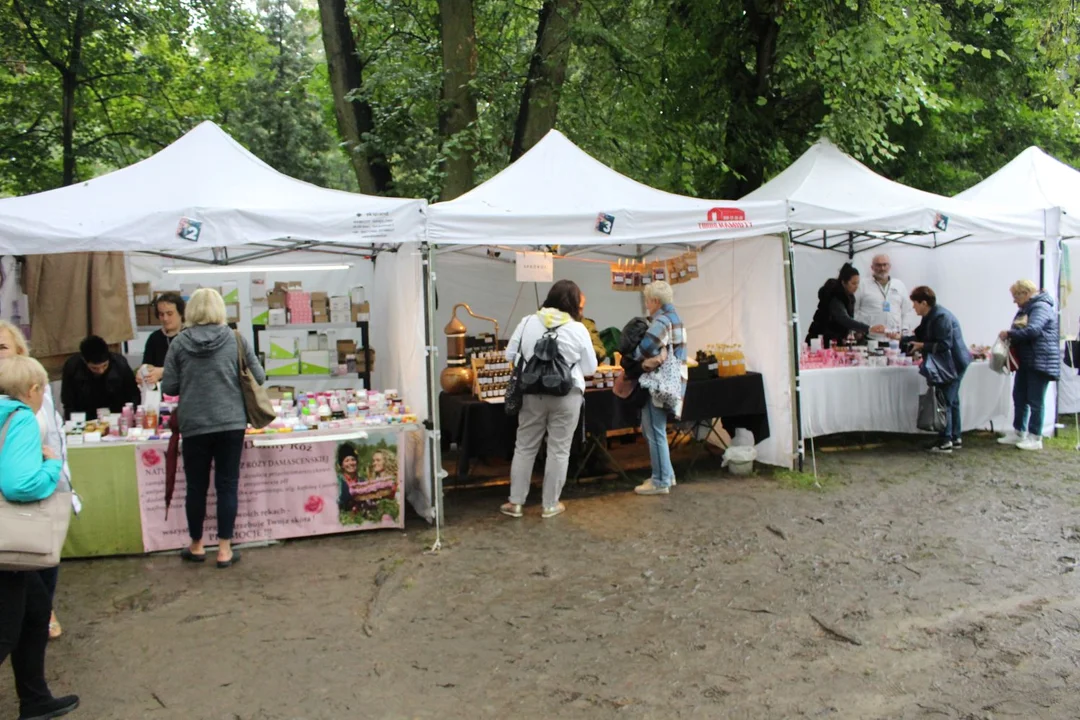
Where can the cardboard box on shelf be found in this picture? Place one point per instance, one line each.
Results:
(361, 364)
(260, 313)
(276, 317)
(282, 347)
(314, 362)
(317, 317)
(232, 312)
(361, 312)
(345, 347)
(320, 297)
(276, 300)
(288, 285)
(284, 366)
(258, 287)
(141, 291)
(144, 315)
(340, 309)
(230, 292)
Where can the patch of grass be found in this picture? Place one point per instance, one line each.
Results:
(803, 481)
(1066, 436)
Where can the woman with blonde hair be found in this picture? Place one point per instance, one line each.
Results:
(203, 368)
(29, 471)
(1033, 339)
(664, 343)
(12, 343)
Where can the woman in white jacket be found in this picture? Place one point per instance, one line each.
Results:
(12, 342)
(553, 415)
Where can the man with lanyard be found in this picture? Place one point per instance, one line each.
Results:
(170, 312)
(884, 301)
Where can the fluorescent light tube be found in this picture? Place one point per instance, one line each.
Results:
(241, 268)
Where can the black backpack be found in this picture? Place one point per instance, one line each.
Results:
(546, 372)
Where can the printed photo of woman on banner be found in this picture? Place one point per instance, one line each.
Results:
(368, 497)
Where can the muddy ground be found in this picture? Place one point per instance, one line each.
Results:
(910, 586)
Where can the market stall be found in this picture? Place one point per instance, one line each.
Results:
(1036, 179)
(206, 205)
(557, 195)
(841, 210)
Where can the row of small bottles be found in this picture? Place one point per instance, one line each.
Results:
(729, 358)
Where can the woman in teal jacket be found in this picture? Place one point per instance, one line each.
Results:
(29, 471)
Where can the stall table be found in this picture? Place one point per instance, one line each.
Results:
(866, 399)
(289, 487)
(482, 430)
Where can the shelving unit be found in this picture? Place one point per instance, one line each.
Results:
(365, 340)
(149, 329)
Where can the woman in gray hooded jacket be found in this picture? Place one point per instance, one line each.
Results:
(203, 368)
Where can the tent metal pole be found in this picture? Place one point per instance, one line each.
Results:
(432, 423)
(796, 383)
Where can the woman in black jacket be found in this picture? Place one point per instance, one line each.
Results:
(834, 317)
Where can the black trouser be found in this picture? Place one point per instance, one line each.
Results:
(50, 576)
(222, 449)
(24, 632)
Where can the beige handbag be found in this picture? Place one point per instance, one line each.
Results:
(32, 534)
(260, 411)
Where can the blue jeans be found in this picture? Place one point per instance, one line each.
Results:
(654, 428)
(1029, 393)
(951, 393)
(222, 449)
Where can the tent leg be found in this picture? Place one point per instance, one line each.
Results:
(433, 425)
(798, 449)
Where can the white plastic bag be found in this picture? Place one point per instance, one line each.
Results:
(739, 454)
(1001, 360)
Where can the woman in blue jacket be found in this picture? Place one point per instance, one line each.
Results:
(1034, 340)
(945, 360)
(29, 471)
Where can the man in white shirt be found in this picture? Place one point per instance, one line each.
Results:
(884, 300)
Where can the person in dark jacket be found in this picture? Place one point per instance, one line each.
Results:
(97, 378)
(835, 314)
(170, 313)
(1033, 339)
(203, 368)
(945, 360)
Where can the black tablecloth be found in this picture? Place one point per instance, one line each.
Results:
(482, 430)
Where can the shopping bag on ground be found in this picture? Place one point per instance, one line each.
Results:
(931, 411)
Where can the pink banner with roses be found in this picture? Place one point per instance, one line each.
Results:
(311, 486)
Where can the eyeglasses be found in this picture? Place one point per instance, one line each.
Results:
(881, 265)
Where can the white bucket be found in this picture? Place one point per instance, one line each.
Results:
(741, 468)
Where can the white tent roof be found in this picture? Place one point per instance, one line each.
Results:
(209, 183)
(828, 190)
(556, 192)
(1033, 179)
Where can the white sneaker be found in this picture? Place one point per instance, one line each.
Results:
(1012, 438)
(1032, 442)
(647, 488)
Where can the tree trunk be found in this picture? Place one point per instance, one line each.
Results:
(547, 72)
(458, 110)
(354, 117)
(69, 78)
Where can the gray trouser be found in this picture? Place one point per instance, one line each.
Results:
(558, 417)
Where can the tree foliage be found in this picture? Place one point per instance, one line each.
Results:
(700, 97)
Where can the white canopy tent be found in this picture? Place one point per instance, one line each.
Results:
(838, 204)
(203, 191)
(1036, 179)
(556, 194)
(205, 194)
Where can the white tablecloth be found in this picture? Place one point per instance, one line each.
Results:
(837, 400)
